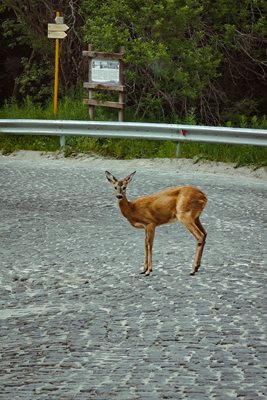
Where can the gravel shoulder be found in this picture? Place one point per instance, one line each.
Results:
(182, 165)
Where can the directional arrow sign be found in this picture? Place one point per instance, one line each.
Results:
(57, 27)
(57, 31)
(56, 35)
(59, 20)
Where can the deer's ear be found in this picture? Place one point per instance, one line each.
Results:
(129, 177)
(110, 177)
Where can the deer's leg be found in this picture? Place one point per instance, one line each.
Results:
(144, 269)
(197, 230)
(149, 239)
(200, 226)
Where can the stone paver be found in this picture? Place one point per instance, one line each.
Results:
(78, 322)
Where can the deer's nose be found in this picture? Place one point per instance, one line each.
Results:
(119, 196)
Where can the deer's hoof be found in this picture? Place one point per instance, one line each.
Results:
(195, 270)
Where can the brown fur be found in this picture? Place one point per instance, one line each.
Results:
(184, 204)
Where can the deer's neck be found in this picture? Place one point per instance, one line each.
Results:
(126, 208)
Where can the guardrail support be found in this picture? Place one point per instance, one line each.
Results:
(178, 150)
(62, 142)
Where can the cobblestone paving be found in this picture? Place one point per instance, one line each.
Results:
(78, 322)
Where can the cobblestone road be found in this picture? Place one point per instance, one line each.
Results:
(78, 322)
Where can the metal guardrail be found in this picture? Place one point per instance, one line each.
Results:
(134, 130)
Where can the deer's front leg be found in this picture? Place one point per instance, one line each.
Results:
(150, 233)
(145, 267)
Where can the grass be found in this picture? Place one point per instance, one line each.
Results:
(239, 154)
(72, 108)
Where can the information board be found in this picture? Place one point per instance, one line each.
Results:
(105, 71)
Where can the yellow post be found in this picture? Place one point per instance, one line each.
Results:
(56, 71)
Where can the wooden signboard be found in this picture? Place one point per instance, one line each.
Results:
(57, 31)
(105, 72)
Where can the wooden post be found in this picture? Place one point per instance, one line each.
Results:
(121, 93)
(90, 93)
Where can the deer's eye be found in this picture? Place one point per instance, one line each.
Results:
(124, 187)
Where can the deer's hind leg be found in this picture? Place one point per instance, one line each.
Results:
(196, 228)
(201, 227)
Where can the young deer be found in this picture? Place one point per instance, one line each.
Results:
(184, 203)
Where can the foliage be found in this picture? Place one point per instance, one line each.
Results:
(181, 55)
(186, 53)
(24, 42)
(167, 66)
(69, 107)
(33, 80)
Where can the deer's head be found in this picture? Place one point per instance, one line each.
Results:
(119, 186)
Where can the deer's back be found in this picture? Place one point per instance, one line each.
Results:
(165, 206)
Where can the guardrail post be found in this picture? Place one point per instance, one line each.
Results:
(62, 142)
(178, 149)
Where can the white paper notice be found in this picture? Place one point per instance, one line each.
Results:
(105, 71)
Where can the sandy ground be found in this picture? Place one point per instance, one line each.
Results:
(183, 165)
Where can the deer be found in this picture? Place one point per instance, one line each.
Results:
(181, 203)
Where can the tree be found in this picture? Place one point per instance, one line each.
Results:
(238, 30)
(185, 55)
(205, 58)
(24, 30)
